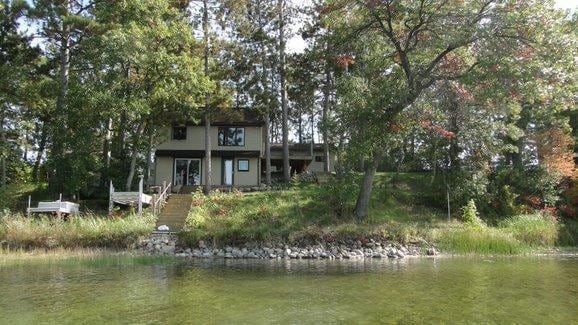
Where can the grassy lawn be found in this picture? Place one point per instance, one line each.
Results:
(405, 207)
(309, 212)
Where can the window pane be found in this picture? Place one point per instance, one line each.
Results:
(243, 165)
(221, 136)
(180, 171)
(231, 136)
(179, 133)
(240, 137)
(194, 177)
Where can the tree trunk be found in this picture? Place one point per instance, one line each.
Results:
(3, 150)
(267, 101)
(300, 129)
(40, 153)
(312, 142)
(267, 149)
(106, 154)
(61, 103)
(325, 112)
(284, 108)
(362, 205)
(208, 162)
(134, 156)
(208, 167)
(149, 154)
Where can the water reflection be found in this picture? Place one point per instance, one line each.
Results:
(439, 290)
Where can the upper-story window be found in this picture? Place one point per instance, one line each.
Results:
(179, 133)
(231, 136)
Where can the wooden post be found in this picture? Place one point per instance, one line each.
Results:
(140, 190)
(448, 199)
(153, 204)
(29, 202)
(110, 202)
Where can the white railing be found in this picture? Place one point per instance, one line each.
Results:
(160, 198)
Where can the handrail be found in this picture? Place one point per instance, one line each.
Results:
(161, 197)
(163, 194)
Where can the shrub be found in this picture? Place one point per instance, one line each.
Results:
(532, 229)
(513, 186)
(470, 214)
(568, 233)
(339, 195)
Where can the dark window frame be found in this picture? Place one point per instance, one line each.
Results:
(320, 158)
(173, 133)
(224, 131)
(248, 165)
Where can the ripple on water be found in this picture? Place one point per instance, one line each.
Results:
(498, 290)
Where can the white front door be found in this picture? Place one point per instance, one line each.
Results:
(228, 172)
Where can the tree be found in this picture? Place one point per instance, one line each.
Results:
(152, 66)
(404, 48)
(283, 90)
(18, 61)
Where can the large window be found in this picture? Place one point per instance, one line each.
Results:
(179, 132)
(232, 137)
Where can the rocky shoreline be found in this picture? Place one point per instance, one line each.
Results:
(167, 244)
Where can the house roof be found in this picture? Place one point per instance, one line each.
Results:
(232, 117)
(298, 147)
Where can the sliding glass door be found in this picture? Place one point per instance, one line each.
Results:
(187, 172)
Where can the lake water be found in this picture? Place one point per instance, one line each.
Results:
(442, 290)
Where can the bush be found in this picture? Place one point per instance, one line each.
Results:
(568, 233)
(512, 188)
(533, 229)
(339, 195)
(470, 215)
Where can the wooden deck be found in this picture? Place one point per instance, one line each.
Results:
(58, 207)
(131, 198)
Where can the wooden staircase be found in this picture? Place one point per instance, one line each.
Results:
(175, 212)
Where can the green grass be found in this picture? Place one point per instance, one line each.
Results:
(87, 230)
(306, 212)
(78, 256)
(534, 229)
(463, 239)
(402, 208)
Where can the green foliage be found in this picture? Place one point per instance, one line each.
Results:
(470, 215)
(568, 233)
(533, 229)
(83, 231)
(339, 195)
(511, 188)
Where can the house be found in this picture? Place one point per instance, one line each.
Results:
(237, 155)
(302, 157)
